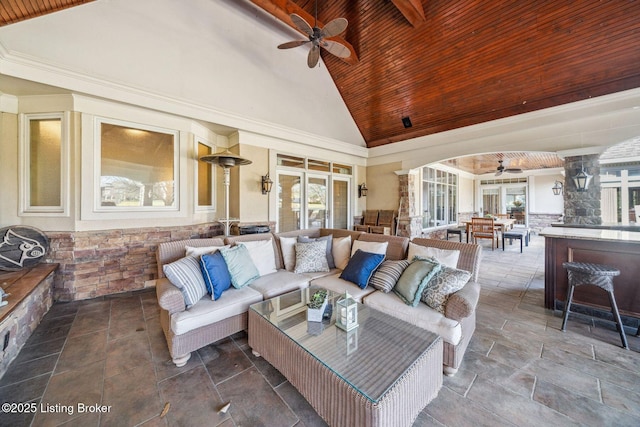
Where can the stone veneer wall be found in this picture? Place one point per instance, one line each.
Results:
(582, 207)
(538, 221)
(96, 263)
(24, 319)
(409, 224)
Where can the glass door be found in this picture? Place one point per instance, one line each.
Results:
(491, 201)
(317, 198)
(290, 193)
(340, 203)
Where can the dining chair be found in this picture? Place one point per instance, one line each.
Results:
(484, 228)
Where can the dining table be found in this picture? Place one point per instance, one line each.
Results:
(503, 224)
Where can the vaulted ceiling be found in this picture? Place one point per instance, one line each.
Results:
(449, 64)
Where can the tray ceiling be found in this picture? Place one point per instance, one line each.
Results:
(450, 64)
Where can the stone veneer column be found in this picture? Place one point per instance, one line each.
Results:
(582, 207)
(409, 224)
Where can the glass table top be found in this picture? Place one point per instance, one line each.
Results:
(371, 357)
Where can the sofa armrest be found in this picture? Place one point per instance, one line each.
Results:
(463, 303)
(169, 296)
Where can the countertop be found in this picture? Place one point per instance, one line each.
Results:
(592, 234)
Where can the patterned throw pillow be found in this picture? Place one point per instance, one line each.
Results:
(414, 279)
(447, 281)
(185, 275)
(329, 242)
(311, 257)
(386, 276)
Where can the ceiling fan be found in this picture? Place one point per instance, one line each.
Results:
(317, 38)
(502, 168)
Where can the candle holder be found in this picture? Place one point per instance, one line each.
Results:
(347, 315)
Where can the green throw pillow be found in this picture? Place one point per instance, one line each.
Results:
(414, 279)
(241, 268)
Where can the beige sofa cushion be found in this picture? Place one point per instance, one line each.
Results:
(206, 312)
(336, 284)
(278, 283)
(422, 316)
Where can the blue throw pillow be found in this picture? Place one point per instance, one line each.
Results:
(215, 273)
(361, 266)
(241, 267)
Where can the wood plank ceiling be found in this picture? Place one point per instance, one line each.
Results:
(448, 64)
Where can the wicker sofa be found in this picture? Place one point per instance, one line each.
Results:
(208, 321)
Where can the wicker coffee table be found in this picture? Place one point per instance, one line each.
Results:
(382, 373)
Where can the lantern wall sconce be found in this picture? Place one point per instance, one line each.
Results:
(582, 180)
(558, 188)
(266, 184)
(362, 190)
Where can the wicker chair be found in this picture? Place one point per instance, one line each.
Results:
(484, 228)
(370, 219)
(386, 221)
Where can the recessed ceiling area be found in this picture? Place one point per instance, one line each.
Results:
(487, 163)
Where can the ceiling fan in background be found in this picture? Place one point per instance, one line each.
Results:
(317, 38)
(501, 168)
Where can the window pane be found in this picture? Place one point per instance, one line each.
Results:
(317, 165)
(137, 167)
(45, 142)
(290, 161)
(205, 177)
(288, 203)
(340, 204)
(343, 169)
(317, 202)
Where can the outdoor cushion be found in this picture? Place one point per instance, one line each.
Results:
(414, 279)
(215, 273)
(443, 256)
(329, 246)
(387, 275)
(185, 274)
(262, 255)
(241, 267)
(311, 256)
(361, 267)
(444, 283)
(278, 283)
(336, 284)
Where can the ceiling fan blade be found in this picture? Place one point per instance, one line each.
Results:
(302, 25)
(296, 43)
(513, 170)
(335, 48)
(334, 27)
(498, 173)
(314, 56)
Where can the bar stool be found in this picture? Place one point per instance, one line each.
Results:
(585, 273)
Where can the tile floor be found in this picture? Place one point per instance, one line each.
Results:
(519, 369)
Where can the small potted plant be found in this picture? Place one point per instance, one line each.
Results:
(317, 305)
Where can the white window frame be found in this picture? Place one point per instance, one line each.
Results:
(24, 176)
(423, 180)
(196, 203)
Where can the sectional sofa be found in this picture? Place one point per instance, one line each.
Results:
(207, 321)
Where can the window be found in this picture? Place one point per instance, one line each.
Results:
(204, 177)
(439, 198)
(138, 167)
(312, 193)
(44, 164)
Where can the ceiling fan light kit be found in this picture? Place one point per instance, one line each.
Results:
(317, 38)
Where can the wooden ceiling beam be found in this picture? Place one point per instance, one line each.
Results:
(282, 10)
(412, 10)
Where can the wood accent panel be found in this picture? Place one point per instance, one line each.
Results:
(412, 10)
(18, 10)
(624, 256)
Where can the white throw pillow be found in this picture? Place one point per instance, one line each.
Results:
(372, 247)
(443, 256)
(341, 251)
(197, 251)
(288, 247)
(262, 255)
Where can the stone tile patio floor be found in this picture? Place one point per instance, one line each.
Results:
(520, 369)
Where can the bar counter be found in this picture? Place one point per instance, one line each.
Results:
(620, 249)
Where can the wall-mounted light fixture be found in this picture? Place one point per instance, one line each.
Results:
(582, 180)
(362, 190)
(558, 188)
(266, 184)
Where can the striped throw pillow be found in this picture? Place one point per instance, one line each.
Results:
(185, 274)
(386, 276)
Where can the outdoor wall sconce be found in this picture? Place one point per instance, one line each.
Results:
(266, 184)
(362, 190)
(582, 180)
(557, 188)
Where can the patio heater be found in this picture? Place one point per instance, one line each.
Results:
(226, 160)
